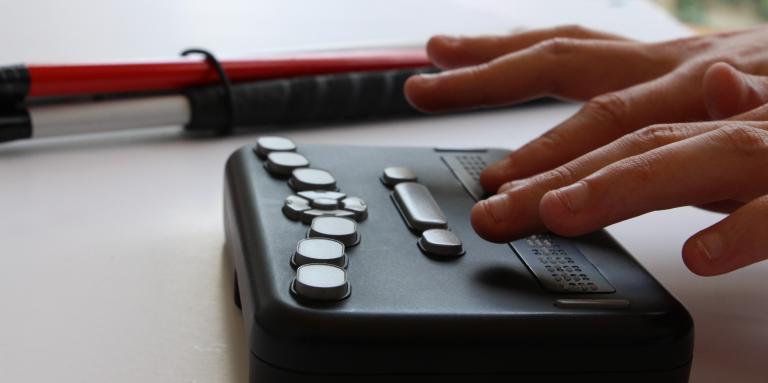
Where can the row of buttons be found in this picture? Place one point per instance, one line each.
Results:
(422, 213)
(316, 194)
(320, 259)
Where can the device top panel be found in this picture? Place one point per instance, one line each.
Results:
(390, 275)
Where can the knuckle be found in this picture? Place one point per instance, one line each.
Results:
(761, 204)
(559, 46)
(562, 175)
(640, 169)
(551, 141)
(696, 67)
(655, 135)
(572, 30)
(608, 108)
(686, 46)
(744, 138)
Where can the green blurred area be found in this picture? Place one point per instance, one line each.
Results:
(719, 14)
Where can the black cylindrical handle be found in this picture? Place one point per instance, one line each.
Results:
(14, 83)
(321, 98)
(14, 124)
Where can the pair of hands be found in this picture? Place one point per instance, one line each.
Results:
(668, 124)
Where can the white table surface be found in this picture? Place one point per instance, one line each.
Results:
(111, 246)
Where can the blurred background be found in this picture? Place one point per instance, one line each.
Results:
(713, 15)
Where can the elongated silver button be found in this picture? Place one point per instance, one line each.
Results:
(417, 206)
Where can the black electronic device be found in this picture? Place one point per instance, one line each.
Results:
(359, 264)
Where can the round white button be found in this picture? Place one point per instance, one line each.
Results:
(283, 163)
(319, 250)
(343, 230)
(269, 144)
(321, 282)
(311, 179)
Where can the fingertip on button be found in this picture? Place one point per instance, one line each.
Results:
(485, 220)
(496, 174)
(557, 216)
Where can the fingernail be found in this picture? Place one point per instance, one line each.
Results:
(427, 79)
(574, 197)
(496, 205)
(711, 245)
(448, 40)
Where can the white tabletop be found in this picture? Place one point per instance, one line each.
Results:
(111, 246)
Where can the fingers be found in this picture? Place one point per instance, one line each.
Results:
(515, 212)
(727, 163)
(452, 52)
(637, 142)
(600, 121)
(725, 206)
(758, 114)
(728, 91)
(567, 68)
(736, 241)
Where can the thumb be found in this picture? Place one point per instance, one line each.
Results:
(728, 91)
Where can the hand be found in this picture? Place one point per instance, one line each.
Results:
(629, 84)
(659, 167)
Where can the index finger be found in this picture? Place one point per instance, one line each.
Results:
(566, 68)
(601, 120)
(454, 52)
